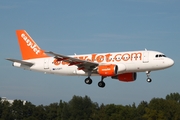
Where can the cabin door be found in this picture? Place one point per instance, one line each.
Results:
(46, 63)
(145, 57)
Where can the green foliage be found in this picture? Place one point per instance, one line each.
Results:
(82, 108)
(173, 96)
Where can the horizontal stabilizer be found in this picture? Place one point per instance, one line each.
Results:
(22, 62)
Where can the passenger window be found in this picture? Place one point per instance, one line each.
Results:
(156, 55)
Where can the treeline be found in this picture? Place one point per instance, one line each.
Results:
(82, 108)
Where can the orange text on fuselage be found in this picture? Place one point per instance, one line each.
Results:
(118, 57)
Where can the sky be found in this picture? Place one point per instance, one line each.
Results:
(89, 26)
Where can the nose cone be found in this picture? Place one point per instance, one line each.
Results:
(169, 62)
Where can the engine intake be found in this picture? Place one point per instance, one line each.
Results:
(108, 70)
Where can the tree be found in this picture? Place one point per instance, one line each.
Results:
(173, 96)
(17, 109)
(155, 109)
(65, 115)
(141, 109)
(28, 110)
(60, 110)
(51, 111)
(160, 108)
(7, 112)
(1, 107)
(81, 108)
(40, 112)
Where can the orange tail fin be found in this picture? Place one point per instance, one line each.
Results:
(29, 49)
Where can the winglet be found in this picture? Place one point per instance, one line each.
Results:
(28, 47)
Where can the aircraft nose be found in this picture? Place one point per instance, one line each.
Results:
(170, 62)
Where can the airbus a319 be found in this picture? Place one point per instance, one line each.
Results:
(122, 66)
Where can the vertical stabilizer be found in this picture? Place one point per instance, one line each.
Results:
(29, 49)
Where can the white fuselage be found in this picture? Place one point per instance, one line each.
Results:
(134, 61)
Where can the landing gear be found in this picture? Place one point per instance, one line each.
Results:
(148, 80)
(148, 77)
(101, 83)
(88, 80)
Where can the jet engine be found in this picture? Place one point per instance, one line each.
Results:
(108, 70)
(126, 77)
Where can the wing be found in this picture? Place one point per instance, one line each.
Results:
(81, 64)
(22, 62)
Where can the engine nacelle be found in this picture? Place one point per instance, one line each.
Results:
(126, 77)
(107, 70)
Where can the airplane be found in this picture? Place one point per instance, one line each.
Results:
(122, 66)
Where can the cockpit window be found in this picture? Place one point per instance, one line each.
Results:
(160, 55)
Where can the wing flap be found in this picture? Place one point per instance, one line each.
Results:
(22, 62)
